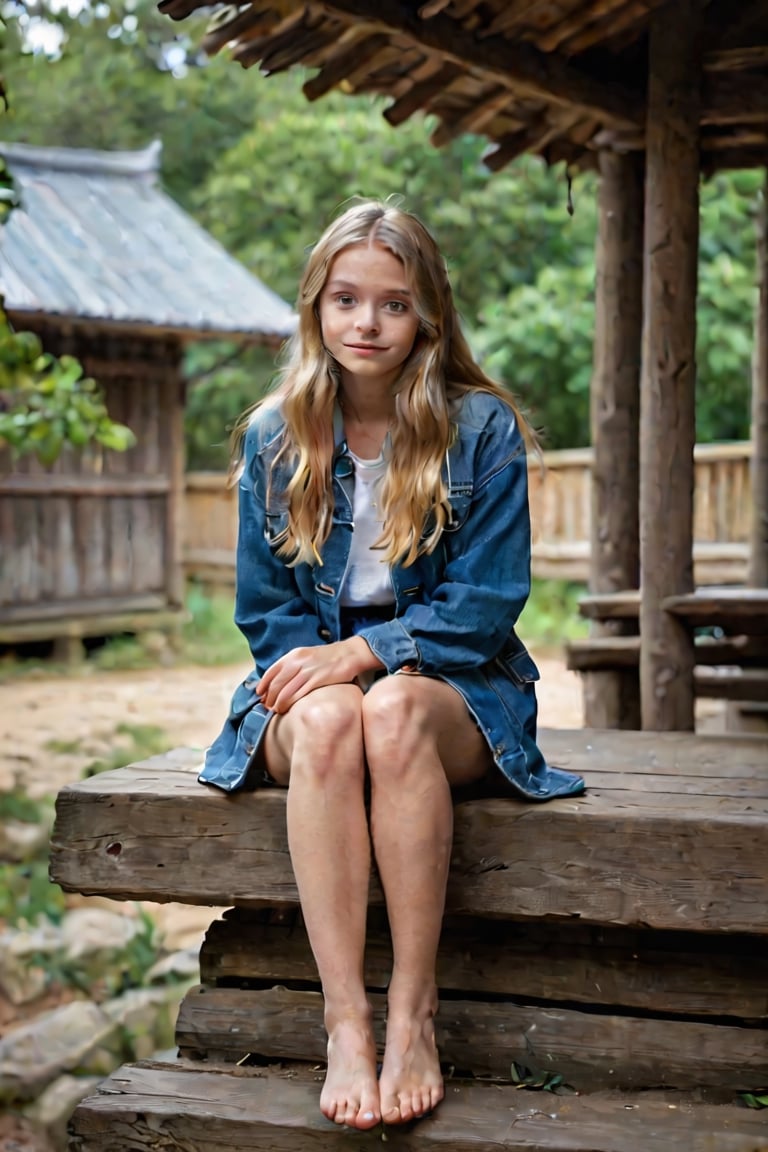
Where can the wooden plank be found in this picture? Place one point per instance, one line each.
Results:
(741, 609)
(618, 605)
(758, 529)
(707, 975)
(150, 831)
(741, 684)
(591, 1050)
(624, 652)
(78, 626)
(80, 484)
(144, 1107)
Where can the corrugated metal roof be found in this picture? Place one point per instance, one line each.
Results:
(97, 238)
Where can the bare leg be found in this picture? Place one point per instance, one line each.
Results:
(413, 760)
(317, 749)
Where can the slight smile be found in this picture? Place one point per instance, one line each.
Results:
(364, 348)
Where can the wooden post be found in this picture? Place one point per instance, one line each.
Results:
(612, 699)
(667, 396)
(758, 543)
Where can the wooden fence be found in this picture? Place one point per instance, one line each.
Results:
(560, 507)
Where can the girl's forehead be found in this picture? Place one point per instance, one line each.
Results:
(368, 259)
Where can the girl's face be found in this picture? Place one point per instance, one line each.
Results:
(367, 315)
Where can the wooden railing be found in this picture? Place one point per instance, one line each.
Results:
(560, 510)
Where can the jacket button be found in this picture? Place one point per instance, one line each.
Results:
(498, 750)
(325, 633)
(250, 749)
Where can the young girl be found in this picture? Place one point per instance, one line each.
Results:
(383, 561)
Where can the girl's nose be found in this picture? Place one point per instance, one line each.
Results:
(366, 320)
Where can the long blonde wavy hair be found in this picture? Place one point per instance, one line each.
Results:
(438, 371)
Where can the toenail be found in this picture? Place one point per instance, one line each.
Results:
(368, 1116)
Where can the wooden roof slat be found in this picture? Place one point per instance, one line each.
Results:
(420, 94)
(432, 7)
(737, 59)
(732, 99)
(618, 23)
(349, 57)
(520, 66)
(579, 22)
(249, 24)
(509, 17)
(474, 119)
(296, 47)
(534, 138)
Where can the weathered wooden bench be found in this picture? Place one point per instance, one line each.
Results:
(732, 666)
(614, 942)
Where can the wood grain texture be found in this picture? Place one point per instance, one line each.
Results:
(628, 855)
(569, 964)
(148, 1107)
(592, 1051)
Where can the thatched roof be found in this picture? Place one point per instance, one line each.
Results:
(97, 240)
(558, 77)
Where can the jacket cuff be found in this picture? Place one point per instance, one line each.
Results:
(393, 645)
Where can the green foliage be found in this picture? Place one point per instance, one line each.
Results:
(210, 636)
(264, 170)
(551, 615)
(217, 397)
(17, 805)
(27, 895)
(133, 742)
(541, 1081)
(48, 403)
(755, 1099)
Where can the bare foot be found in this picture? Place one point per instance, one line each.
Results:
(411, 1083)
(350, 1094)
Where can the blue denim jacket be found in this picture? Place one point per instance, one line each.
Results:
(454, 612)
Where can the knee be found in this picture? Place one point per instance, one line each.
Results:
(328, 738)
(396, 725)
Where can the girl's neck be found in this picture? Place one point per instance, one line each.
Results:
(366, 421)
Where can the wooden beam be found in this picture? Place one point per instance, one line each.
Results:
(519, 66)
(612, 699)
(735, 99)
(736, 59)
(758, 537)
(667, 402)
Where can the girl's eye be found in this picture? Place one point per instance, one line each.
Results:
(397, 306)
(345, 299)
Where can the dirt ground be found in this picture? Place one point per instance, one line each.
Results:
(51, 727)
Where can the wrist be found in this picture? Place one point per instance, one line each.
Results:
(363, 656)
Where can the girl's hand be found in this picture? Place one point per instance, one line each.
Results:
(302, 670)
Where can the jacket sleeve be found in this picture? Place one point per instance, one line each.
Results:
(485, 580)
(269, 609)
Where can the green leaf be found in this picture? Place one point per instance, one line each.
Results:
(755, 1099)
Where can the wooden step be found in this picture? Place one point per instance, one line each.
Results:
(676, 974)
(592, 1050)
(670, 834)
(180, 1106)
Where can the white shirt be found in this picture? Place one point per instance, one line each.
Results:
(367, 580)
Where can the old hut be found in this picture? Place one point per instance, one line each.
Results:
(653, 94)
(103, 265)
